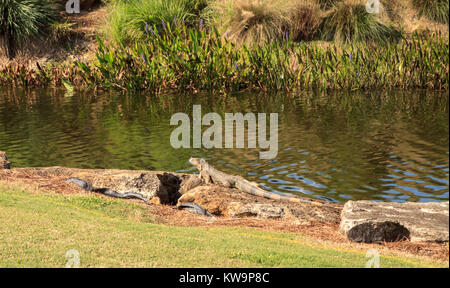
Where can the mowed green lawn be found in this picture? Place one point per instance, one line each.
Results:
(37, 230)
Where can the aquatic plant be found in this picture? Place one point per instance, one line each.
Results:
(435, 10)
(191, 59)
(22, 19)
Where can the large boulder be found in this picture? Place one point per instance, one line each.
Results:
(158, 187)
(230, 202)
(369, 221)
(4, 163)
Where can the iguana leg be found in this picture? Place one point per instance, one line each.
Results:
(205, 176)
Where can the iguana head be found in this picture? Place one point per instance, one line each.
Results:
(197, 162)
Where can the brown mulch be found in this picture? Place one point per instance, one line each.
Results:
(165, 214)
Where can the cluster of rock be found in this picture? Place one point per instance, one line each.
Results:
(360, 221)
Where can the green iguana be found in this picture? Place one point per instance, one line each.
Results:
(191, 207)
(211, 175)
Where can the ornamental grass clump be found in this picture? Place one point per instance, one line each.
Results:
(435, 10)
(305, 20)
(349, 21)
(253, 21)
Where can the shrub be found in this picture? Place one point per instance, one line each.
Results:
(128, 19)
(435, 10)
(62, 31)
(22, 19)
(305, 21)
(252, 21)
(349, 21)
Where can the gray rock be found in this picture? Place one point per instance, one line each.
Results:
(163, 186)
(4, 163)
(369, 221)
(237, 210)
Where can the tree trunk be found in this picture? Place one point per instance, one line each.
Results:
(10, 46)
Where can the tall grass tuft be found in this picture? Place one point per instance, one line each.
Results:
(435, 10)
(128, 20)
(305, 20)
(62, 31)
(349, 21)
(22, 19)
(253, 21)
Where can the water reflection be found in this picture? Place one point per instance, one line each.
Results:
(390, 146)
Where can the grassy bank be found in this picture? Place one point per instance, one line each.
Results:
(39, 229)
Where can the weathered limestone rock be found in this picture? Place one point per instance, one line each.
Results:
(159, 187)
(230, 202)
(212, 198)
(238, 210)
(369, 221)
(189, 182)
(4, 163)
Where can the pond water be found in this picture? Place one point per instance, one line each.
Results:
(389, 146)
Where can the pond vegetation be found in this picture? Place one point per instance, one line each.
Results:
(224, 46)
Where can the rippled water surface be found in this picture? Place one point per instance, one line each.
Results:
(391, 146)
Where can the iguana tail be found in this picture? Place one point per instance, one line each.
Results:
(249, 188)
(105, 191)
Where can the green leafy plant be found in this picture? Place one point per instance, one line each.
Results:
(190, 59)
(128, 19)
(22, 19)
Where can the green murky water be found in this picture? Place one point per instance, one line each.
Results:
(391, 146)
